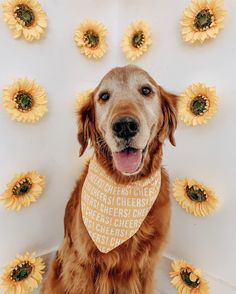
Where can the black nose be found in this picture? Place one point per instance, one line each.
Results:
(125, 127)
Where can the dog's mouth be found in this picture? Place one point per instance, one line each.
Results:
(129, 160)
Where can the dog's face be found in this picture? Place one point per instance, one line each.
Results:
(127, 108)
(129, 111)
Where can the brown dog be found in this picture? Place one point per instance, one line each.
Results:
(127, 118)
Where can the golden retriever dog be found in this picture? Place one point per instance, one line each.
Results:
(126, 118)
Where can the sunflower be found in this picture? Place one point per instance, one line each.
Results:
(194, 197)
(136, 40)
(202, 20)
(82, 98)
(197, 104)
(187, 279)
(25, 100)
(23, 189)
(23, 274)
(90, 37)
(25, 17)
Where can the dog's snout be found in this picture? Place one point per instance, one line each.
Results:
(125, 127)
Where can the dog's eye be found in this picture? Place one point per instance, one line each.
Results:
(104, 96)
(146, 91)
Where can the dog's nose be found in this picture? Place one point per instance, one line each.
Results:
(125, 127)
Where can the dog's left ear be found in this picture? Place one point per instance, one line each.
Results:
(169, 111)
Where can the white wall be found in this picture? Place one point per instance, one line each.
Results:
(206, 153)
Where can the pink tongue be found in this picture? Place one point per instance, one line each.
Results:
(127, 161)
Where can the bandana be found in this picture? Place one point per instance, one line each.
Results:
(112, 213)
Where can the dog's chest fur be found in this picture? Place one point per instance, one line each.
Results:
(93, 272)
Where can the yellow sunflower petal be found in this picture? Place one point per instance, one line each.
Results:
(136, 39)
(24, 189)
(197, 104)
(90, 37)
(25, 100)
(23, 274)
(202, 20)
(187, 279)
(194, 197)
(25, 18)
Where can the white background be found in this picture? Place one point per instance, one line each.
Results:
(206, 153)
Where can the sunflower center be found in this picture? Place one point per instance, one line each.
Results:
(24, 14)
(91, 39)
(203, 19)
(24, 101)
(138, 39)
(22, 187)
(190, 279)
(21, 271)
(196, 194)
(199, 105)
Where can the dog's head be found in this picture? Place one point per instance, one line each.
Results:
(126, 115)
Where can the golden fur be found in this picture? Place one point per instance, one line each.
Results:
(79, 268)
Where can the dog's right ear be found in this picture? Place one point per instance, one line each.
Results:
(85, 110)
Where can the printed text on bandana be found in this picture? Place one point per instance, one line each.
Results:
(112, 213)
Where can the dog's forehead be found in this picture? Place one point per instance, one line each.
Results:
(128, 76)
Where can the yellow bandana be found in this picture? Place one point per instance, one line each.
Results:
(111, 212)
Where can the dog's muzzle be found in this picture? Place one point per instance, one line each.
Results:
(128, 159)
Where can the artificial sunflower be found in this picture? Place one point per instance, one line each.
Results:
(194, 197)
(23, 274)
(136, 40)
(25, 17)
(90, 37)
(25, 100)
(197, 104)
(202, 20)
(23, 189)
(187, 279)
(82, 98)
